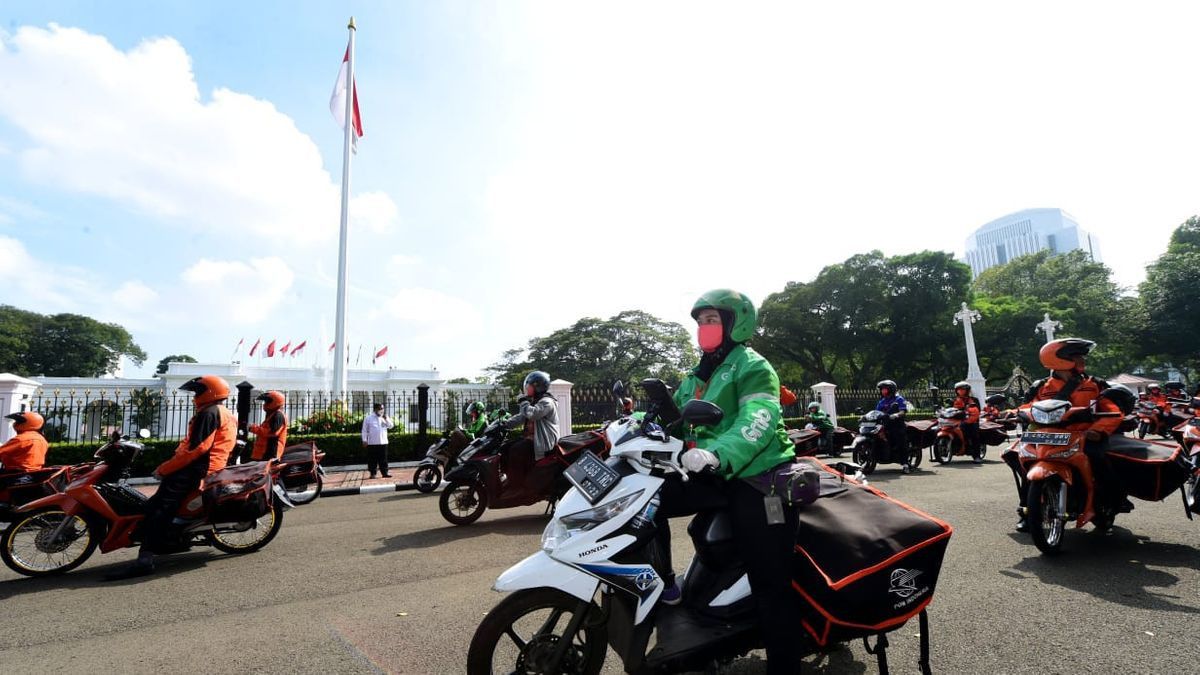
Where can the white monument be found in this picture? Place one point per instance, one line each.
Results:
(974, 375)
(1048, 326)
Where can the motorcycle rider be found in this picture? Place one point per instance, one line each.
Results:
(895, 407)
(1067, 360)
(270, 436)
(210, 438)
(970, 424)
(539, 418)
(477, 419)
(822, 423)
(27, 450)
(749, 441)
(1155, 395)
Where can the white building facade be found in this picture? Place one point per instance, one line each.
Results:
(1026, 232)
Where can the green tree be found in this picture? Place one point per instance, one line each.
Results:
(177, 358)
(867, 318)
(62, 345)
(1170, 304)
(629, 346)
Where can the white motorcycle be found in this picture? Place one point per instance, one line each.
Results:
(602, 540)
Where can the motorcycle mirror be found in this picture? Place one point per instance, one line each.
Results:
(703, 413)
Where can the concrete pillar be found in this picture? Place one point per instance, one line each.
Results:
(561, 389)
(824, 392)
(14, 397)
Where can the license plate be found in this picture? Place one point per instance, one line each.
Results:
(592, 476)
(1045, 438)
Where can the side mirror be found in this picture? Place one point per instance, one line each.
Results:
(702, 413)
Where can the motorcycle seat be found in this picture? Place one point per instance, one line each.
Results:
(575, 442)
(711, 528)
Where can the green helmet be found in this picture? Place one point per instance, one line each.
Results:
(733, 306)
(477, 406)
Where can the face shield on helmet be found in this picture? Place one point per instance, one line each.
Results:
(1061, 354)
(272, 400)
(536, 383)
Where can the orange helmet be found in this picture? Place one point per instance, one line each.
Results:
(272, 400)
(26, 421)
(206, 389)
(1060, 354)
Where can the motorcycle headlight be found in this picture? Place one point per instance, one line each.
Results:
(586, 520)
(555, 534)
(1048, 416)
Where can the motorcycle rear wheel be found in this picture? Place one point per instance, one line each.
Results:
(248, 541)
(1045, 524)
(943, 450)
(1142, 429)
(427, 478)
(26, 548)
(463, 501)
(519, 636)
(309, 494)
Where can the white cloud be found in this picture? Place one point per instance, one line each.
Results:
(132, 127)
(236, 291)
(135, 296)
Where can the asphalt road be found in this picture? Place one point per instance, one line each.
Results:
(379, 583)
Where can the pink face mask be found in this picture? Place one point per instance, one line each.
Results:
(709, 335)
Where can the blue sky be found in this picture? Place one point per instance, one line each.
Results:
(173, 166)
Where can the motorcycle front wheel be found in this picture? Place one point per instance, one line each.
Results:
(308, 494)
(427, 478)
(1046, 525)
(27, 547)
(463, 501)
(258, 535)
(943, 450)
(1142, 429)
(521, 634)
(864, 456)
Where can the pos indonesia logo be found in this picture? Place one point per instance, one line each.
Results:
(904, 582)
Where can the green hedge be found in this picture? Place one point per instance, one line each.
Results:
(340, 450)
(847, 421)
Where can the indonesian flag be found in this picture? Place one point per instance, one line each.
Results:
(380, 354)
(297, 348)
(331, 346)
(271, 349)
(337, 102)
(255, 347)
(284, 349)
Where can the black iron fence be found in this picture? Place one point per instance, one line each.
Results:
(93, 414)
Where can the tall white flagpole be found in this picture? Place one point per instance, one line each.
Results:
(339, 367)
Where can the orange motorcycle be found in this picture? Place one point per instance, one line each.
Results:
(1188, 434)
(1061, 484)
(18, 488)
(240, 510)
(1151, 420)
(950, 440)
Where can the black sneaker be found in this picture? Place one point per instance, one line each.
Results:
(1022, 526)
(1125, 507)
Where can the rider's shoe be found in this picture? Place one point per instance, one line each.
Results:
(1125, 506)
(1022, 526)
(671, 595)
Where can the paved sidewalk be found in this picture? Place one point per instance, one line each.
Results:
(339, 480)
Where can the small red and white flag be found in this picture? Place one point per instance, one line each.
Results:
(331, 346)
(297, 348)
(284, 349)
(337, 102)
(380, 354)
(255, 347)
(271, 349)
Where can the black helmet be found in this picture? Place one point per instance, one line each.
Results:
(1122, 396)
(890, 385)
(995, 399)
(538, 380)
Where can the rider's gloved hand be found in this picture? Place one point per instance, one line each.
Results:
(896, 416)
(698, 459)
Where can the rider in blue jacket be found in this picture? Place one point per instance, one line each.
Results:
(895, 407)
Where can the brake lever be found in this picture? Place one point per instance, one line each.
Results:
(683, 476)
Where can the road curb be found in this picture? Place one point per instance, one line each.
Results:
(367, 489)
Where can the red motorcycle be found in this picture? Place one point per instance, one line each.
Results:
(240, 510)
(1188, 434)
(18, 488)
(1151, 420)
(476, 483)
(950, 440)
(301, 472)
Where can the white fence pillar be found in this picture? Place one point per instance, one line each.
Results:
(14, 397)
(824, 392)
(561, 389)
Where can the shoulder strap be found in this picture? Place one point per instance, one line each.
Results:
(1064, 394)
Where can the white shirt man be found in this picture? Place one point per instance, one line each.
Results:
(375, 440)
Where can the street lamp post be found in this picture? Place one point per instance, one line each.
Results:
(974, 375)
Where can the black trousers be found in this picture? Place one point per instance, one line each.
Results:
(517, 458)
(971, 435)
(377, 459)
(164, 504)
(897, 436)
(766, 549)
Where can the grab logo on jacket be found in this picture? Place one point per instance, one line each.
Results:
(758, 426)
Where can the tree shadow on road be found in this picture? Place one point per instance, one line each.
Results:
(92, 577)
(514, 525)
(1117, 567)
